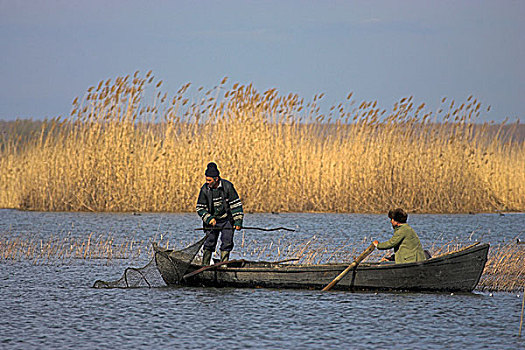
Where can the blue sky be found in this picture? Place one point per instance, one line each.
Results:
(52, 51)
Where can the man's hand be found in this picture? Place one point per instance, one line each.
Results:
(376, 242)
(237, 227)
(213, 222)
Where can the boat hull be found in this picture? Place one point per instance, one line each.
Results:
(454, 272)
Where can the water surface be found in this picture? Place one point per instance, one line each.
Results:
(52, 305)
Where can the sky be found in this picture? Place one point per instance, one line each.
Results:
(53, 51)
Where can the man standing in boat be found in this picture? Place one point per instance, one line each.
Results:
(220, 209)
(405, 241)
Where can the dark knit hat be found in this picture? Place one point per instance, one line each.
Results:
(398, 215)
(211, 170)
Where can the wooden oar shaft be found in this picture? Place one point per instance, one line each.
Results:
(285, 260)
(210, 267)
(360, 258)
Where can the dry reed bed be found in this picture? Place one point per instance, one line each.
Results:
(119, 153)
(53, 249)
(504, 271)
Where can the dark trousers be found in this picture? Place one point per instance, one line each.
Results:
(225, 229)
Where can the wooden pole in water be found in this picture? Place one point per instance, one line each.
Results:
(251, 228)
(351, 266)
(522, 307)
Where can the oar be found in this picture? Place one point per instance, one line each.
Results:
(360, 258)
(285, 260)
(252, 228)
(210, 267)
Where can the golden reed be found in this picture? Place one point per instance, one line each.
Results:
(118, 153)
(53, 249)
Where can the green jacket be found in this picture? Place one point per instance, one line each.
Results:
(406, 244)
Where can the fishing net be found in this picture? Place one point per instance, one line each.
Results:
(172, 263)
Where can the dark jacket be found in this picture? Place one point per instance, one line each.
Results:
(406, 244)
(220, 203)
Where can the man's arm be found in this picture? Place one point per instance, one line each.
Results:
(202, 208)
(236, 208)
(392, 242)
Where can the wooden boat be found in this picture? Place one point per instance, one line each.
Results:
(458, 271)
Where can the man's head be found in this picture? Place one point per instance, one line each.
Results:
(212, 175)
(397, 216)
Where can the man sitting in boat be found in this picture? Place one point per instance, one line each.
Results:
(220, 209)
(405, 241)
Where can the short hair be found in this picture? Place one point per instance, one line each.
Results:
(398, 215)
